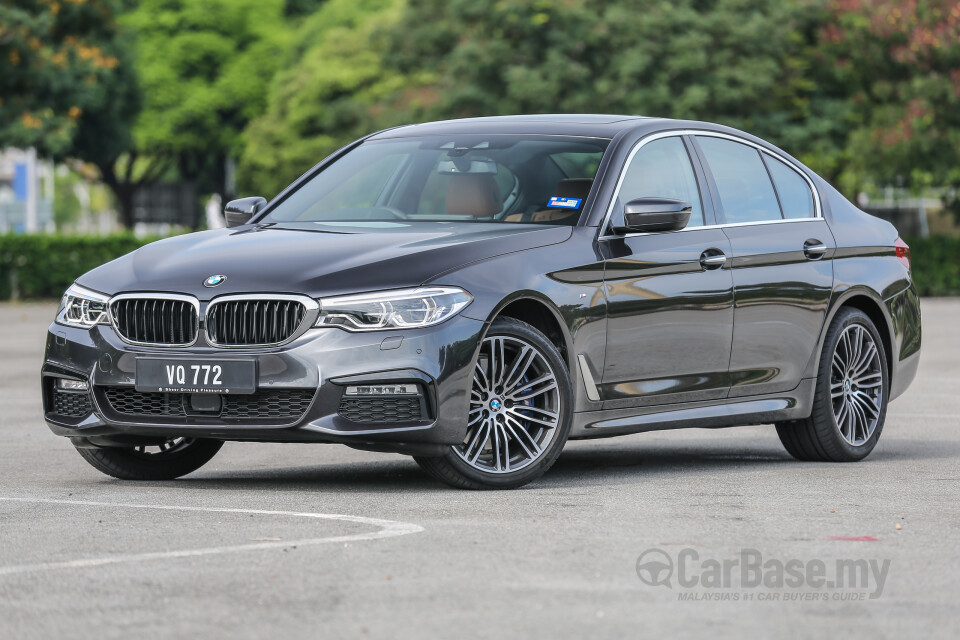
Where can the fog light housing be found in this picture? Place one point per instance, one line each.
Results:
(66, 384)
(383, 390)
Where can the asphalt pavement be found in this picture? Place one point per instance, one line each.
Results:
(681, 534)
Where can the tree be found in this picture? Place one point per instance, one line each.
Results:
(746, 63)
(369, 65)
(900, 60)
(333, 92)
(200, 74)
(57, 62)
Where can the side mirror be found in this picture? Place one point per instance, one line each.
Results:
(239, 212)
(644, 215)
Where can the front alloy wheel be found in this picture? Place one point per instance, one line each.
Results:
(519, 413)
(171, 459)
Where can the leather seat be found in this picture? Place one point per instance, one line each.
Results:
(569, 188)
(473, 194)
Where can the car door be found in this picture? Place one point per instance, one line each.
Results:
(781, 262)
(669, 295)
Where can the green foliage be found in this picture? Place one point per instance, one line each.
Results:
(43, 266)
(936, 265)
(333, 93)
(379, 63)
(203, 66)
(56, 61)
(900, 61)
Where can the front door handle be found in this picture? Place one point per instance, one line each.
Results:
(814, 249)
(712, 259)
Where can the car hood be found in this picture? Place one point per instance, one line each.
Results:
(314, 259)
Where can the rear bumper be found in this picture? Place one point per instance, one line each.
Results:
(904, 311)
(314, 371)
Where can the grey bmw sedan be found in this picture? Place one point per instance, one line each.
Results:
(475, 293)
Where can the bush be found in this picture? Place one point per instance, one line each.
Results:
(936, 265)
(43, 266)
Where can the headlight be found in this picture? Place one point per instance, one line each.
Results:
(82, 308)
(400, 309)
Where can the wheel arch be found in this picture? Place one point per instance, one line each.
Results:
(540, 313)
(869, 302)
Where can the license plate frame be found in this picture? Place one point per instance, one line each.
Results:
(196, 375)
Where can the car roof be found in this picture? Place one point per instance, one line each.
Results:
(585, 125)
(588, 125)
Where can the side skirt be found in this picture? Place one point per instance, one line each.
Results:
(732, 412)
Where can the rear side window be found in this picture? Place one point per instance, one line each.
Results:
(746, 193)
(796, 199)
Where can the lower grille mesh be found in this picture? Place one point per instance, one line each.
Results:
(384, 409)
(280, 404)
(71, 404)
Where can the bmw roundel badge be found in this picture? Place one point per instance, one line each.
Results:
(214, 281)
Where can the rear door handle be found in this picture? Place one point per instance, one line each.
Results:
(814, 249)
(712, 259)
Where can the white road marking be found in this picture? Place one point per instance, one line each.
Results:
(925, 416)
(386, 529)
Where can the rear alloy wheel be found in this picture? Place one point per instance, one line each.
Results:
(519, 413)
(173, 458)
(850, 403)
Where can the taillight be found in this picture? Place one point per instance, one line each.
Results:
(903, 252)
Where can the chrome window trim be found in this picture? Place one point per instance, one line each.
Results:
(155, 296)
(312, 310)
(714, 134)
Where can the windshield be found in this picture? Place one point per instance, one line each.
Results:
(463, 178)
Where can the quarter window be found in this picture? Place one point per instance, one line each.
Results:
(796, 199)
(745, 191)
(661, 169)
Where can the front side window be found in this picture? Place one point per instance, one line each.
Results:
(662, 169)
(458, 178)
(745, 191)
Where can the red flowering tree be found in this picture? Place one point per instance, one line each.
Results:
(900, 59)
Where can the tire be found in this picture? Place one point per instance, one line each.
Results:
(174, 459)
(850, 402)
(519, 415)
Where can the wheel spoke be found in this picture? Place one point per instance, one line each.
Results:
(841, 416)
(876, 377)
(515, 413)
(868, 403)
(478, 443)
(514, 407)
(522, 438)
(864, 364)
(529, 389)
(861, 421)
(839, 365)
(520, 366)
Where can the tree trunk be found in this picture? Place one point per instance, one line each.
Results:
(123, 193)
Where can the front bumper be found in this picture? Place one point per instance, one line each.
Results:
(316, 368)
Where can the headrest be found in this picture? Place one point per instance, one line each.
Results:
(473, 194)
(573, 188)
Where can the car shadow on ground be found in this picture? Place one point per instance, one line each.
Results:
(614, 464)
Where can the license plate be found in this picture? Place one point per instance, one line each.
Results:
(182, 375)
